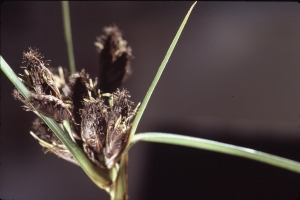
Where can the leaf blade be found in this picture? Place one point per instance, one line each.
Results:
(220, 147)
(158, 74)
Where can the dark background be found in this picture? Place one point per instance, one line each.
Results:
(233, 77)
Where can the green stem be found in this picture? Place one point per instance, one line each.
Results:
(158, 74)
(100, 177)
(218, 147)
(68, 35)
(121, 183)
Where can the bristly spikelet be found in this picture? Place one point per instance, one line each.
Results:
(105, 127)
(47, 105)
(38, 75)
(79, 90)
(44, 97)
(93, 124)
(93, 129)
(115, 59)
(50, 106)
(118, 126)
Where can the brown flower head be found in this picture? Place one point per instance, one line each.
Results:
(99, 118)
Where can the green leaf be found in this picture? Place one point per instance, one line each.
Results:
(158, 74)
(218, 147)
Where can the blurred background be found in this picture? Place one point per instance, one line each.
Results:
(233, 78)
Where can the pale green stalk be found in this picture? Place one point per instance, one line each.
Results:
(68, 35)
(218, 147)
(121, 184)
(100, 177)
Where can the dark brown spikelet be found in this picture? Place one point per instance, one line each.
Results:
(118, 126)
(49, 141)
(93, 124)
(115, 59)
(93, 129)
(38, 75)
(50, 106)
(79, 87)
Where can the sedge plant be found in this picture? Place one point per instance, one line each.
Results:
(113, 179)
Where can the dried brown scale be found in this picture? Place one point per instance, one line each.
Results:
(118, 127)
(93, 129)
(50, 106)
(44, 132)
(49, 80)
(79, 87)
(32, 61)
(40, 76)
(60, 75)
(50, 141)
(92, 156)
(121, 103)
(84, 79)
(93, 124)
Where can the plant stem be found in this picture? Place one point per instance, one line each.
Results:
(218, 147)
(121, 184)
(158, 74)
(68, 35)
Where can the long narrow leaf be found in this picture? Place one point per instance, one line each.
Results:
(218, 147)
(100, 177)
(158, 74)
